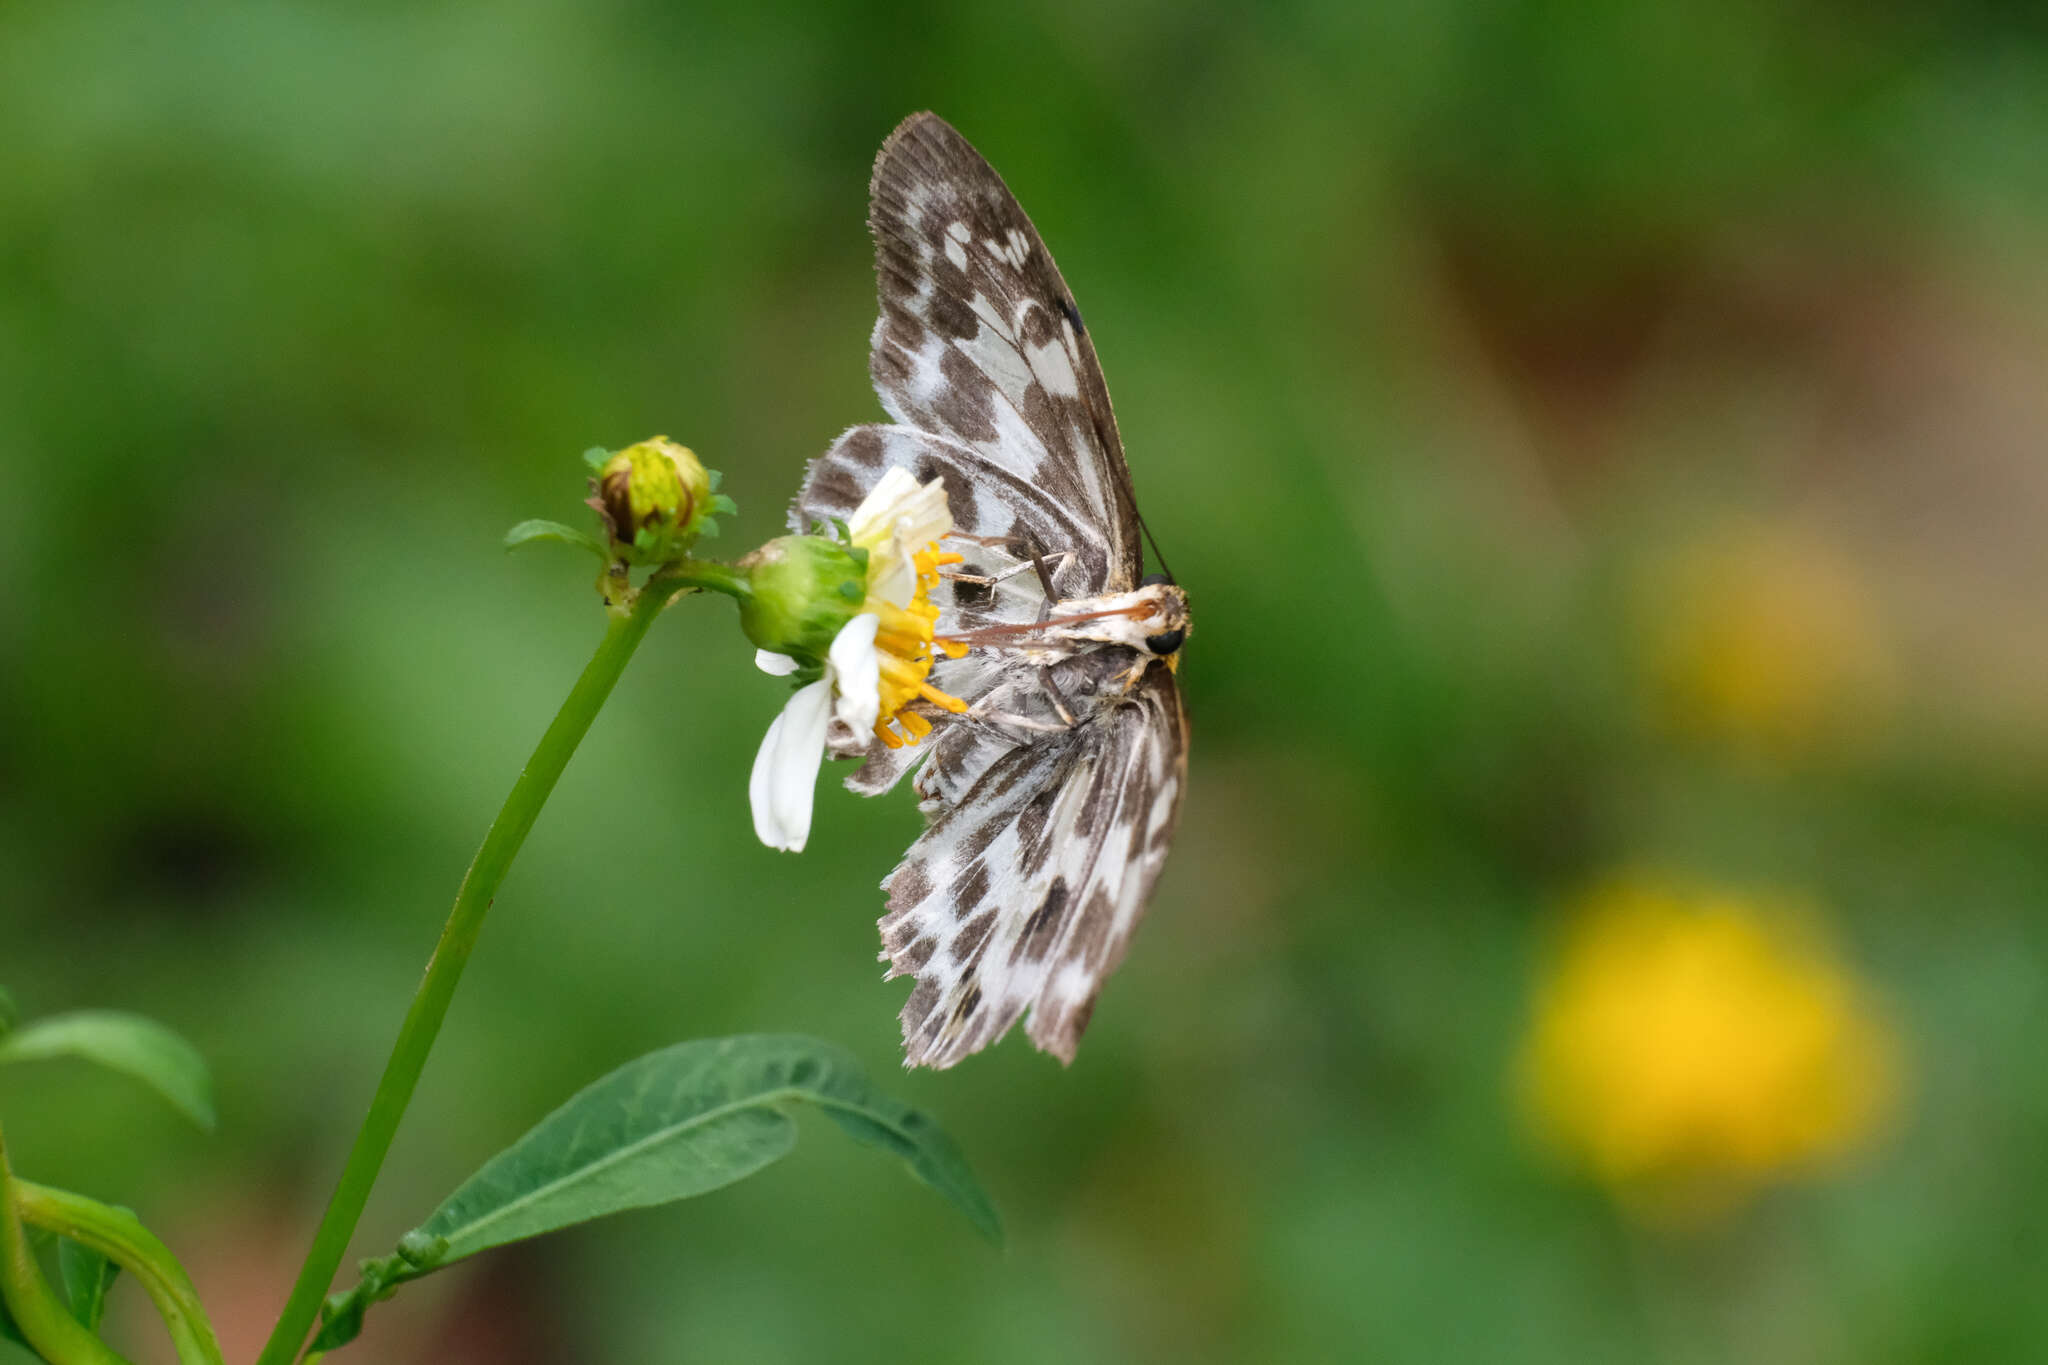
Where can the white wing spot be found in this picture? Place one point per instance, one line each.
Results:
(1013, 250)
(1054, 370)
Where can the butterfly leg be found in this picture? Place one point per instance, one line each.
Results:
(1011, 720)
(1037, 554)
(1036, 558)
(989, 580)
(1059, 701)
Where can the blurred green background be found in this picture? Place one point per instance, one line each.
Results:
(1593, 436)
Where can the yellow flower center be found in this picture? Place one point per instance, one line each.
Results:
(906, 651)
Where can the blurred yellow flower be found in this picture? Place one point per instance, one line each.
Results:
(1688, 1045)
(1768, 638)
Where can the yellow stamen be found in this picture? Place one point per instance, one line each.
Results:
(941, 700)
(906, 651)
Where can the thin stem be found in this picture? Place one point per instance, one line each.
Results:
(709, 573)
(119, 1236)
(430, 1005)
(49, 1327)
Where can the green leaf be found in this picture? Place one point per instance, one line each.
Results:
(123, 1042)
(679, 1122)
(595, 458)
(538, 529)
(87, 1276)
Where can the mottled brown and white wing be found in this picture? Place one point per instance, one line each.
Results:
(988, 502)
(1023, 893)
(980, 341)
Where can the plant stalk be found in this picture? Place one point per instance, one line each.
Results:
(628, 626)
(46, 1323)
(119, 1236)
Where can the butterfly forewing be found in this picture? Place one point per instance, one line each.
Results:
(980, 341)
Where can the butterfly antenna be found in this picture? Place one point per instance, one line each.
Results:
(1153, 541)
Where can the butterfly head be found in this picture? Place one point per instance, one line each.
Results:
(1170, 615)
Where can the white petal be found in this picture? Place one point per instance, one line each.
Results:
(780, 665)
(892, 576)
(785, 774)
(876, 516)
(897, 518)
(856, 673)
(923, 517)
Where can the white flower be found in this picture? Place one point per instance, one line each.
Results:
(878, 663)
(786, 768)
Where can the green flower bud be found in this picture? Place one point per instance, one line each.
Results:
(802, 589)
(655, 497)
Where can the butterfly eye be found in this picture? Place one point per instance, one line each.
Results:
(1151, 578)
(1166, 641)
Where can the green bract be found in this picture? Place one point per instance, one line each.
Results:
(804, 588)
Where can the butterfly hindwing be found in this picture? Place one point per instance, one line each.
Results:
(1023, 893)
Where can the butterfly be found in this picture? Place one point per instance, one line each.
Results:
(1051, 802)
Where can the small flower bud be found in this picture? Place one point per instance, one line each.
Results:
(422, 1250)
(803, 589)
(654, 497)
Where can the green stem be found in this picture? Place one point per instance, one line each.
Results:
(430, 1005)
(119, 1236)
(709, 573)
(49, 1328)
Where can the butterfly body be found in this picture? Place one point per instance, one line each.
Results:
(1052, 800)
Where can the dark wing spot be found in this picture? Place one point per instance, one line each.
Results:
(917, 954)
(973, 885)
(975, 843)
(863, 446)
(1098, 796)
(973, 595)
(967, 404)
(908, 886)
(1036, 327)
(969, 1003)
(1031, 820)
(1073, 312)
(1043, 928)
(973, 934)
(1089, 942)
(833, 485)
(952, 317)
